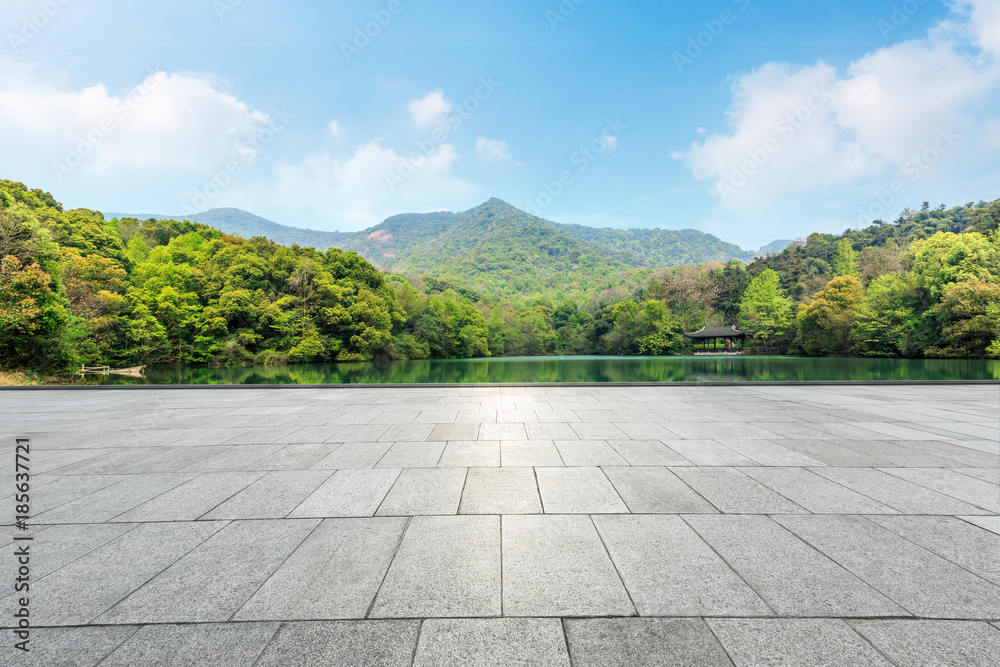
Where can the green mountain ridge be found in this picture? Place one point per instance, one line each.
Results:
(495, 247)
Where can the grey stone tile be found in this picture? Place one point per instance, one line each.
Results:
(360, 433)
(214, 580)
(502, 432)
(990, 523)
(793, 578)
(108, 502)
(732, 492)
(832, 454)
(647, 453)
(786, 642)
(500, 491)
(66, 489)
(69, 647)
(87, 587)
(599, 431)
(412, 455)
(348, 493)
(588, 453)
(408, 432)
(991, 475)
(577, 491)
(334, 574)
(709, 453)
(424, 491)
(897, 493)
(550, 431)
(557, 566)
(721, 430)
(436, 417)
(310, 434)
(492, 642)
(446, 566)
(924, 584)
(973, 491)
(211, 645)
(769, 453)
(534, 453)
(955, 540)
(566, 416)
(474, 454)
(59, 545)
(964, 454)
(598, 416)
(208, 436)
(668, 569)
(354, 455)
(816, 494)
(237, 457)
(643, 642)
(940, 643)
(295, 457)
(446, 432)
(646, 431)
(347, 643)
(192, 499)
(656, 490)
(272, 496)
(516, 416)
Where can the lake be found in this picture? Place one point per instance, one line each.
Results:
(575, 369)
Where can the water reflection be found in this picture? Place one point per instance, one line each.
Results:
(577, 369)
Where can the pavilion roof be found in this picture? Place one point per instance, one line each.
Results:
(717, 332)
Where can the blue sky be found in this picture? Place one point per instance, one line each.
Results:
(749, 119)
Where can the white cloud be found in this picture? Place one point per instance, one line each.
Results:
(323, 191)
(808, 141)
(984, 22)
(430, 109)
(179, 122)
(491, 149)
(334, 128)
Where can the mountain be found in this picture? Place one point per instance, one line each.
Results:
(496, 248)
(775, 247)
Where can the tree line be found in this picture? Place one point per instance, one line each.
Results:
(76, 288)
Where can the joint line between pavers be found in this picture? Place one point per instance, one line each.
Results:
(614, 564)
(844, 486)
(943, 493)
(387, 491)
(395, 552)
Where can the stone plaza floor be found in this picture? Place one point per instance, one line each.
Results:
(572, 525)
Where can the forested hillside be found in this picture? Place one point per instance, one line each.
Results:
(500, 249)
(78, 288)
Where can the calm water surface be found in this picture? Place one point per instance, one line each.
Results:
(576, 369)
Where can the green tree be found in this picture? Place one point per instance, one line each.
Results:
(887, 318)
(845, 261)
(765, 311)
(825, 324)
(967, 315)
(33, 319)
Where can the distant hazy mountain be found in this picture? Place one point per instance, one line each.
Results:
(494, 247)
(776, 246)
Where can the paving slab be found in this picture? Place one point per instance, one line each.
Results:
(965, 545)
(420, 491)
(577, 491)
(815, 493)
(897, 493)
(347, 643)
(558, 566)
(794, 643)
(334, 574)
(446, 566)
(669, 570)
(500, 491)
(768, 453)
(471, 454)
(588, 453)
(794, 579)
(353, 492)
(295, 457)
(709, 453)
(111, 501)
(832, 454)
(272, 496)
(69, 647)
(520, 453)
(492, 642)
(656, 490)
(939, 643)
(192, 499)
(923, 583)
(647, 453)
(973, 491)
(209, 645)
(643, 642)
(990, 523)
(354, 455)
(734, 492)
(84, 589)
(412, 455)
